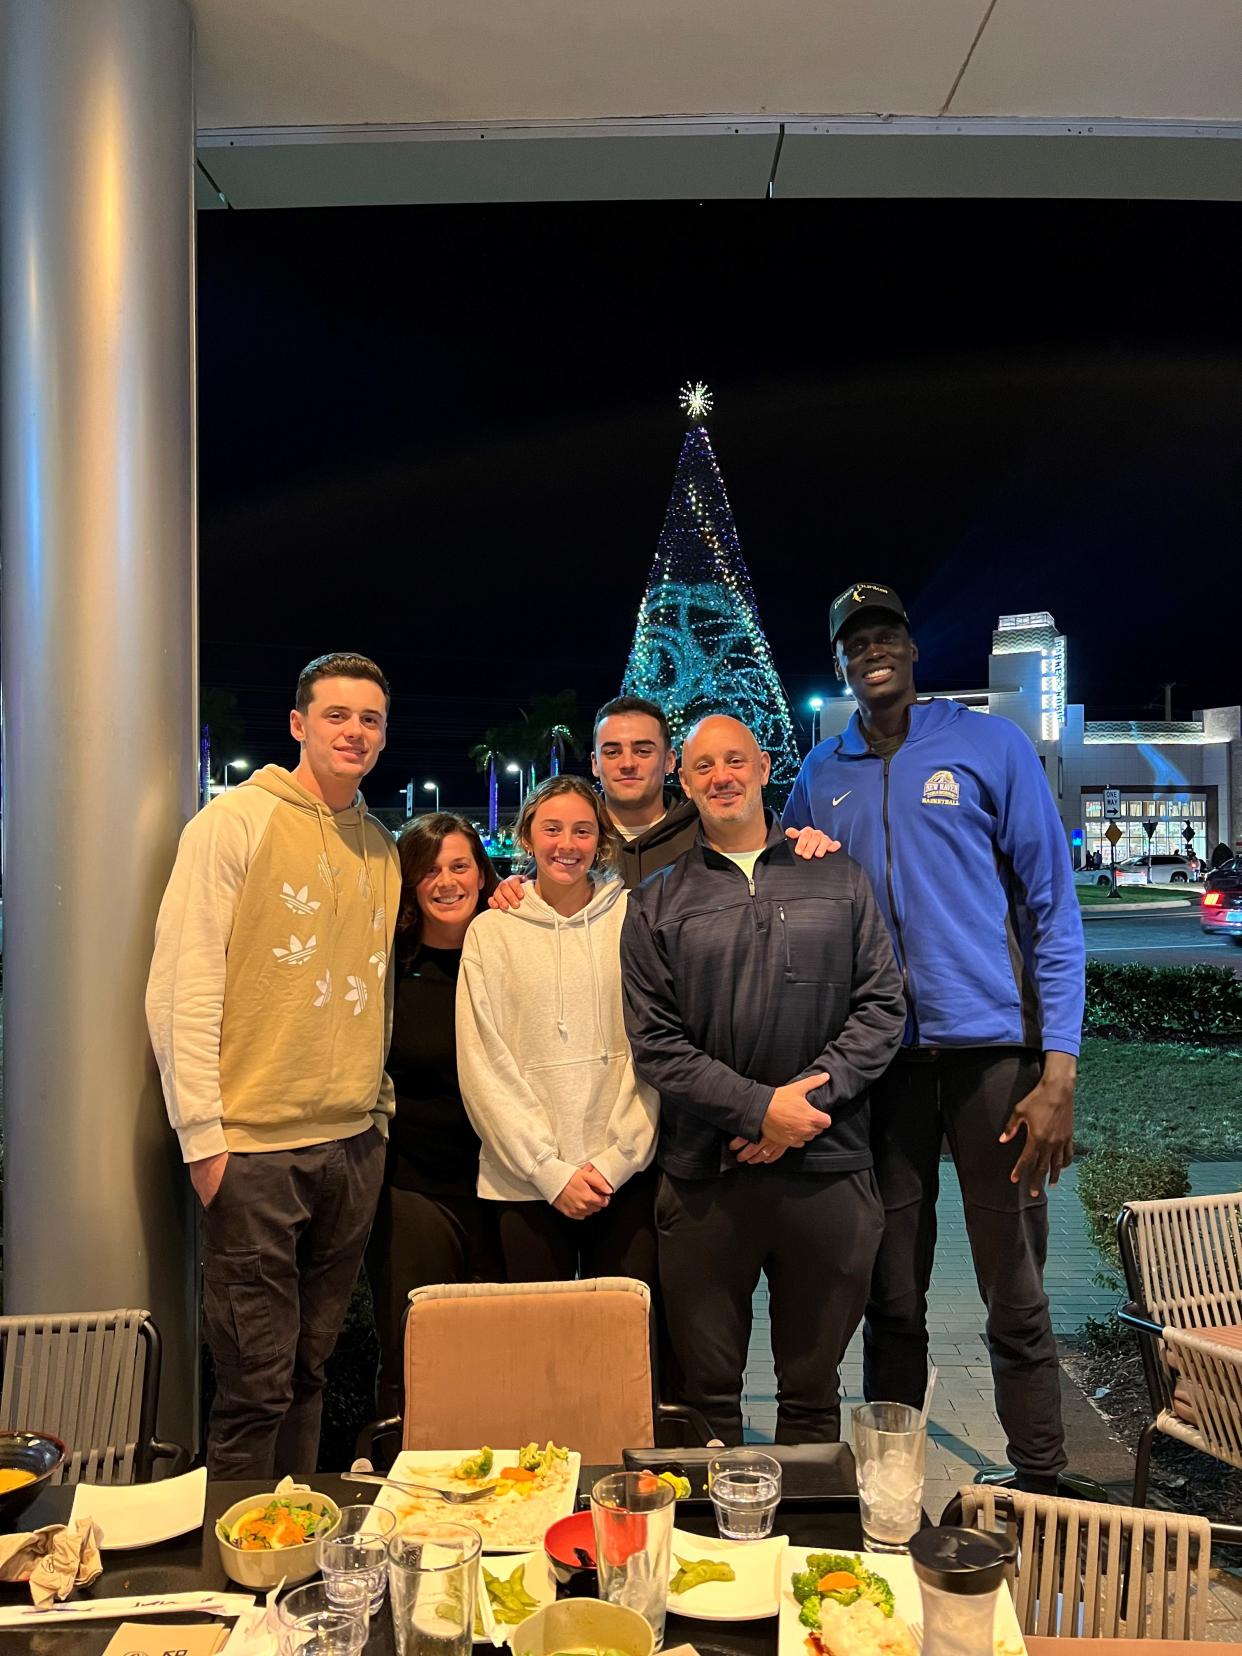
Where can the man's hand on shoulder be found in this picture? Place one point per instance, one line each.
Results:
(206, 1175)
(811, 842)
(509, 893)
(790, 1121)
(1047, 1113)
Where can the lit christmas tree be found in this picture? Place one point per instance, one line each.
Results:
(699, 647)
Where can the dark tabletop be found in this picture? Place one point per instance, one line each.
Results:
(192, 1563)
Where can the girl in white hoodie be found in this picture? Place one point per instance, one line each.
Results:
(567, 1128)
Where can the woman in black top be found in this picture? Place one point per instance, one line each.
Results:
(430, 1225)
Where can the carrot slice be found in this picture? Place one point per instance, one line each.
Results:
(837, 1581)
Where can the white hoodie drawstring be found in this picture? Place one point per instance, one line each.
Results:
(599, 1020)
(560, 979)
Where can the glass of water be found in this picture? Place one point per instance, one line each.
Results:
(745, 1487)
(354, 1557)
(889, 1446)
(433, 1576)
(309, 1624)
(633, 1517)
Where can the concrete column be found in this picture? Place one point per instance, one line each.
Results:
(97, 481)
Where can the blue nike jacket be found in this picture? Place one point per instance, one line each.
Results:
(961, 839)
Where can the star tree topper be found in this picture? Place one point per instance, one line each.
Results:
(695, 400)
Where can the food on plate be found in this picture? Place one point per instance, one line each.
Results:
(12, 1477)
(693, 1572)
(838, 1578)
(475, 1466)
(525, 1492)
(859, 1629)
(278, 1523)
(679, 1485)
(511, 1603)
(531, 1458)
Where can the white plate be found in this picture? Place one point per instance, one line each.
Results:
(758, 1565)
(898, 1570)
(427, 1466)
(537, 1577)
(139, 1515)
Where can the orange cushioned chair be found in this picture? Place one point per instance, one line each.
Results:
(511, 1362)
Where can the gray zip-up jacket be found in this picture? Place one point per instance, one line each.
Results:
(731, 993)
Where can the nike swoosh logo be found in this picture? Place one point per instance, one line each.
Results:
(837, 800)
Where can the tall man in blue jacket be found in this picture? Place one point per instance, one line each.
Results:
(950, 813)
(761, 1000)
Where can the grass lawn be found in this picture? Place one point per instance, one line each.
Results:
(1098, 896)
(1184, 1099)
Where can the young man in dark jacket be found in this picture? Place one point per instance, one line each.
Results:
(761, 1000)
(950, 813)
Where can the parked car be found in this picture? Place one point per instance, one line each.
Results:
(1166, 869)
(1220, 907)
(1092, 877)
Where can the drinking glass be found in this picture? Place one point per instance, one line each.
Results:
(308, 1624)
(633, 1517)
(745, 1487)
(889, 1446)
(433, 1573)
(354, 1557)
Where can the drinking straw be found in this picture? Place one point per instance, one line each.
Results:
(927, 1397)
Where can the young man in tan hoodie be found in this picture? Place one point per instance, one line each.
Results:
(269, 1006)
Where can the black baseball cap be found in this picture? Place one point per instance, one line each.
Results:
(863, 595)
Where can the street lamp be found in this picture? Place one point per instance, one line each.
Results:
(816, 705)
(433, 787)
(240, 765)
(516, 770)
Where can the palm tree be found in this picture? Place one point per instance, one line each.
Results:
(485, 754)
(555, 719)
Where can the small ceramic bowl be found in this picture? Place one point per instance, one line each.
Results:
(34, 1452)
(582, 1623)
(261, 1570)
(563, 1542)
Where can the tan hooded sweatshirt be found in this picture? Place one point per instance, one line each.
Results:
(269, 1001)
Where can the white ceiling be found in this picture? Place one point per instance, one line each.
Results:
(306, 102)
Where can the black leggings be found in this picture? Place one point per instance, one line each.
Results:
(417, 1240)
(539, 1244)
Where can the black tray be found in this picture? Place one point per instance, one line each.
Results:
(818, 1473)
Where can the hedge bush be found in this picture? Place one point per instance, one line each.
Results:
(1109, 1179)
(1163, 1003)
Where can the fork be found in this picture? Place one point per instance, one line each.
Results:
(452, 1496)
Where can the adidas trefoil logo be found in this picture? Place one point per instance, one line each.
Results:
(357, 993)
(298, 953)
(380, 961)
(299, 901)
(324, 986)
(377, 920)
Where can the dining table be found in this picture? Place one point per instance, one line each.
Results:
(191, 1562)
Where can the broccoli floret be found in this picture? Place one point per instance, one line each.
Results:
(806, 1584)
(531, 1458)
(878, 1592)
(475, 1466)
(809, 1613)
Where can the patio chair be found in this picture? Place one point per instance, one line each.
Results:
(503, 1363)
(91, 1379)
(1091, 1571)
(1183, 1268)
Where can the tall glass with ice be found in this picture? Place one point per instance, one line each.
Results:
(889, 1446)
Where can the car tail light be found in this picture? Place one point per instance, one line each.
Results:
(1211, 899)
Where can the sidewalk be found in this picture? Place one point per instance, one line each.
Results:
(965, 1433)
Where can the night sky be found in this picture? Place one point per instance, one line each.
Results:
(446, 437)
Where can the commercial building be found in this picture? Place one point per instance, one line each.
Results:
(1176, 774)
